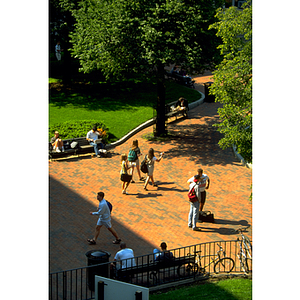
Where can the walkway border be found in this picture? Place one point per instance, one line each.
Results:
(242, 160)
(149, 123)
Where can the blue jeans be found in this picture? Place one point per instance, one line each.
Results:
(194, 213)
(96, 147)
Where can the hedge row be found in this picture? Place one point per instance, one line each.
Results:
(71, 129)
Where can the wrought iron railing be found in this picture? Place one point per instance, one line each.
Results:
(188, 262)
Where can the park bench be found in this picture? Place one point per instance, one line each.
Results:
(82, 147)
(181, 79)
(152, 269)
(171, 111)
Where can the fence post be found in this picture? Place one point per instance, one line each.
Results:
(138, 295)
(64, 285)
(100, 290)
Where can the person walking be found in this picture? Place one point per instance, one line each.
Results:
(133, 158)
(194, 206)
(150, 160)
(204, 183)
(104, 219)
(125, 177)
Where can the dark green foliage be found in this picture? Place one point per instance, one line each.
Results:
(233, 79)
(127, 37)
(72, 129)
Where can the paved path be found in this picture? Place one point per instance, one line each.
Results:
(144, 219)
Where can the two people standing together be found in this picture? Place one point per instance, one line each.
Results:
(131, 161)
(200, 183)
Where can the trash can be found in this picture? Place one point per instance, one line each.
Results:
(208, 98)
(96, 257)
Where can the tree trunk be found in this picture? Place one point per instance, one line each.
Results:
(160, 128)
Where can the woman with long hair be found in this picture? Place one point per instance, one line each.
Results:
(125, 177)
(150, 160)
(133, 158)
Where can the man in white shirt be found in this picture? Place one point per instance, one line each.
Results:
(93, 136)
(104, 219)
(126, 256)
(203, 185)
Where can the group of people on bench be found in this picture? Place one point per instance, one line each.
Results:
(94, 137)
(125, 256)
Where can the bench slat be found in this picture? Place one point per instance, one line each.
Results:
(158, 265)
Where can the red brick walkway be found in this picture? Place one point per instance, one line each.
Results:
(144, 219)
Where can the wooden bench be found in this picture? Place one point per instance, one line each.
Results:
(185, 268)
(170, 111)
(186, 81)
(83, 147)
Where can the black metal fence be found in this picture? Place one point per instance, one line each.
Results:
(147, 270)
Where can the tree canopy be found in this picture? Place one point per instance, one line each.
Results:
(124, 38)
(136, 36)
(233, 78)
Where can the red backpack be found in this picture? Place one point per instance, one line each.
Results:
(192, 195)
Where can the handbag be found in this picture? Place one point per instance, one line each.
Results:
(206, 216)
(126, 177)
(144, 167)
(192, 195)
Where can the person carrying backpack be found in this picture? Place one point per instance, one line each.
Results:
(104, 218)
(194, 206)
(133, 158)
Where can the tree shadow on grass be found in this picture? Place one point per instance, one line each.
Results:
(103, 97)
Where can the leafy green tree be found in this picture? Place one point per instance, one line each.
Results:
(124, 38)
(233, 78)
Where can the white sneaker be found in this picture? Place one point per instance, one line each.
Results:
(58, 150)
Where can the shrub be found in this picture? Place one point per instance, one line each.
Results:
(72, 129)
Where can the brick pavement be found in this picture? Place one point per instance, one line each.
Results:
(145, 218)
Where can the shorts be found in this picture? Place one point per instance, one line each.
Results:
(203, 197)
(126, 177)
(101, 222)
(137, 162)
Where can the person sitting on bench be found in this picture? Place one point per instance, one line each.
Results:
(94, 138)
(164, 254)
(57, 143)
(182, 104)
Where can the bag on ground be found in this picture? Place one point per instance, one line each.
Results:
(206, 216)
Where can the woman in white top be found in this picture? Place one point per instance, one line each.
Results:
(150, 159)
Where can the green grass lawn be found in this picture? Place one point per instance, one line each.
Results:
(120, 109)
(229, 289)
